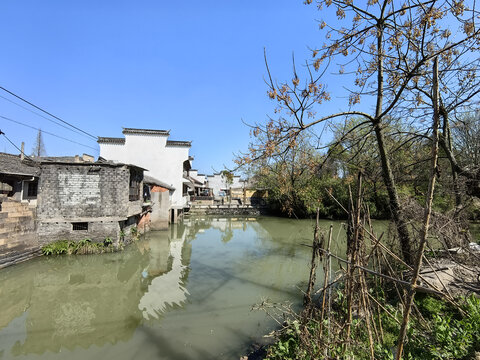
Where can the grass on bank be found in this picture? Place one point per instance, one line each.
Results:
(87, 246)
(82, 247)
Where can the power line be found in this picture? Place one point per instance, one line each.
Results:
(44, 117)
(46, 112)
(46, 132)
(16, 147)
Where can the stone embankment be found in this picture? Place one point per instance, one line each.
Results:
(225, 210)
(18, 237)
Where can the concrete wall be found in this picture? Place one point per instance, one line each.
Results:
(159, 217)
(151, 152)
(18, 237)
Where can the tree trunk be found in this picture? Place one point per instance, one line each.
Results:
(426, 222)
(400, 223)
(395, 208)
(447, 135)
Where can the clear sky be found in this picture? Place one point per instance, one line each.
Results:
(194, 67)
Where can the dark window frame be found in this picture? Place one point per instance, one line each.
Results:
(134, 188)
(30, 189)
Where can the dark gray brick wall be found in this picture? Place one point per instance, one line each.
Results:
(83, 193)
(97, 231)
(77, 191)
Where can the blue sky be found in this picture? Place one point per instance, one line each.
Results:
(194, 67)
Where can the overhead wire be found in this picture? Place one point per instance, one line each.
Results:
(46, 112)
(46, 132)
(44, 117)
(15, 146)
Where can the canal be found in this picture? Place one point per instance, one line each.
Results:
(185, 293)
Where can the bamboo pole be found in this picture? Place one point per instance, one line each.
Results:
(326, 265)
(307, 300)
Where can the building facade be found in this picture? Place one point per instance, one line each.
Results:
(94, 200)
(220, 186)
(166, 160)
(65, 198)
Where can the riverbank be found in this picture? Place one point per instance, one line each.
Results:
(360, 317)
(442, 330)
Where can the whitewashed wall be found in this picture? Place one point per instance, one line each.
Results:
(217, 182)
(163, 161)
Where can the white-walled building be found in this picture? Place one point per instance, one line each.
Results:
(198, 183)
(218, 183)
(198, 177)
(166, 160)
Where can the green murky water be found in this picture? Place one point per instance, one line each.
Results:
(185, 293)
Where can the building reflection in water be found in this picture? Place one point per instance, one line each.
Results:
(74, 302)
(70, 301)
(168, 271)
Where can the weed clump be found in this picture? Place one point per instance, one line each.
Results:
(82, 247)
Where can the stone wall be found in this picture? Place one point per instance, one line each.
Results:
(225, 210)
(97, 231)
(76, 191)
(90, 195)
(18, 237)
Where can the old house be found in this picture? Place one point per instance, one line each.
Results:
(65, 198)
(220, 185)
(199, 183)
(166, 160)
(84, 199)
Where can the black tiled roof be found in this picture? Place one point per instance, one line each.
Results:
(12, 164)
(110, 140)
(147, 179)
(145, 131)
(179, 143)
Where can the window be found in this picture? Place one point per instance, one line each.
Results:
(146, 193)
(134, 188)
(32, 189)
(80, 226)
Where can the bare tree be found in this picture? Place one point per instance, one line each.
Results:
(39, 147)
(380, 48)
(459, 90)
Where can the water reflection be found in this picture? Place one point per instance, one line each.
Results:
(68, 302)
(168, 274)
(185, 293)
(79, 301)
